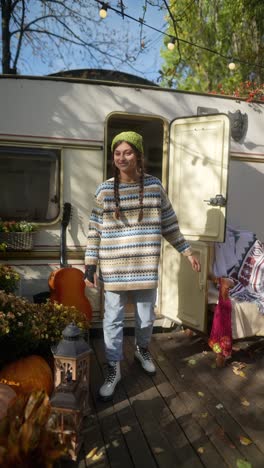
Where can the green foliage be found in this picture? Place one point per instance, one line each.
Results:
(25, 440)
(17, 226)
(26, 327)
(232, 28)
(9, 278)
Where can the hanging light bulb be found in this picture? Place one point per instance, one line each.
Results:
(171, 43)
(231, 66)
(103, 11)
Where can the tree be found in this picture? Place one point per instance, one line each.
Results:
(234, 29)
(58, 29)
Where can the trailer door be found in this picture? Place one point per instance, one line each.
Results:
(197, 188)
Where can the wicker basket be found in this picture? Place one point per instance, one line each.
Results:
(17, 240)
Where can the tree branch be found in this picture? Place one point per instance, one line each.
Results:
(21, 33)
(71, 41)
(174, 24)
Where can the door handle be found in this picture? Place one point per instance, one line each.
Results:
(218, 200)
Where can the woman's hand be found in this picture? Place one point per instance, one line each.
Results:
(94, 284)
(90, 276)
(195, 262)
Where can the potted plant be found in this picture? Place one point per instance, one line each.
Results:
(17, 235)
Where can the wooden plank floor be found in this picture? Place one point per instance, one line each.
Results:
(190, 414)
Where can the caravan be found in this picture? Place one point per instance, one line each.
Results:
(55, 135)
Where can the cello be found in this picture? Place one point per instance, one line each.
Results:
(66, 284)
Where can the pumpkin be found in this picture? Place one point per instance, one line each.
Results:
(7, 396)
(31, 373)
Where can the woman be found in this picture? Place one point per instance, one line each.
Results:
(131, 215)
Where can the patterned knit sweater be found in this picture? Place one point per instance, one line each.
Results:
(128, 251)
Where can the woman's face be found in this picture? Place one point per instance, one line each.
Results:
(125, 159)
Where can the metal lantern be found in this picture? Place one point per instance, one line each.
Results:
(69, 401)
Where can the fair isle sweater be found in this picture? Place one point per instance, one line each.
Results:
(128, 251)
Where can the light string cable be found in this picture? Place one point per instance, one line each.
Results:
(177, 38)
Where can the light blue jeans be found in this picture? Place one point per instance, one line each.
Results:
(115, 302)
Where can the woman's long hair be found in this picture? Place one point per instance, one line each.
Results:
(140, 166)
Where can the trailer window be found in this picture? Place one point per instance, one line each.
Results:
(29, 184)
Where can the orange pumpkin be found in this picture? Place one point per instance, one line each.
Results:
(7, 396)
(31, 373)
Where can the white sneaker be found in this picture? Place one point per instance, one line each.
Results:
(113, 376)
(143, 356)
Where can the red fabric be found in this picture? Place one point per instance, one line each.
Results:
(221, 334)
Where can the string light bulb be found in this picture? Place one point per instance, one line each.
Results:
(171, 43)
(231, 66)
(103, 11)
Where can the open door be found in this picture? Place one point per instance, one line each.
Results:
(197, 186)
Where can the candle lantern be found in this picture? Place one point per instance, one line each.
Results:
(69, 401)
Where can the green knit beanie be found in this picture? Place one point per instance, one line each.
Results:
(130, 137)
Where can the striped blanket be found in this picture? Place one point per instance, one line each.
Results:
(241, 257)
(249, 276)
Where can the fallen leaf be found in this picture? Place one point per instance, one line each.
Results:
(160, 358)
(235, 348)
(245, 440)
(200, 450)
(239, 365)
(192, 362)
(244, 401)
(126, 429)
(204, 415)
(238, 372)
(219, 406)
(92, 452)
(201, 394)
(243, 464)
(158, 450)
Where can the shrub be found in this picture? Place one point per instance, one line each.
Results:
(26, 328)
(9, 278)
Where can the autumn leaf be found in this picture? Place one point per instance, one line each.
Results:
(92, 453)
(239, 373)
(219, 406)
(236, 368)
(245, 440)
(244, 401)
(200, 450)
(239, 365)
(192, 362)
(243, 464)
(201, 394)
(235, 348)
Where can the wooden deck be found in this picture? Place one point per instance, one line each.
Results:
(190, 414)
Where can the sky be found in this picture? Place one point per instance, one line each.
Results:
(148, 62)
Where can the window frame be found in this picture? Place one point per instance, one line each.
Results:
(57, 150)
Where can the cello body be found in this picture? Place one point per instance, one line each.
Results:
(66, 284)
(67, 287)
